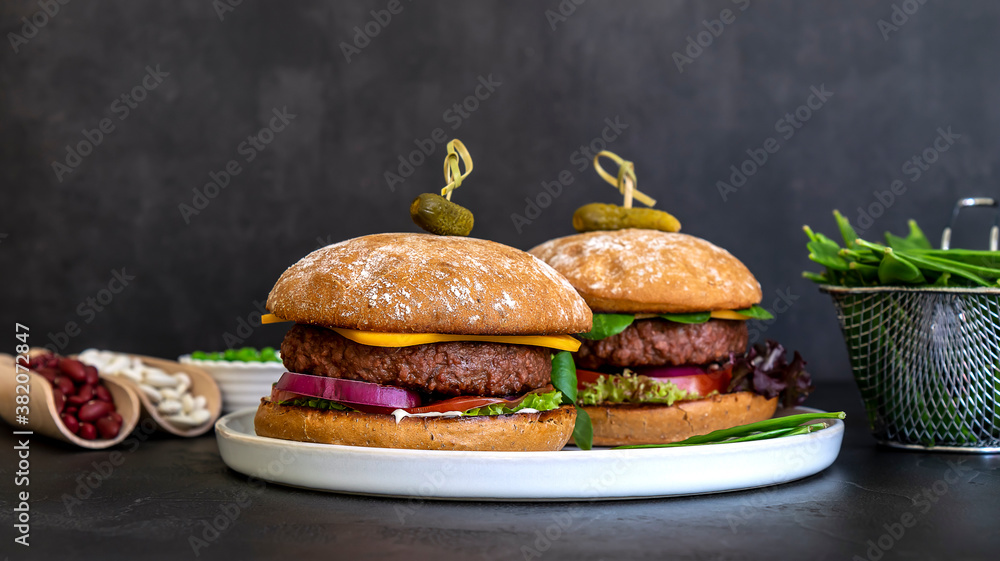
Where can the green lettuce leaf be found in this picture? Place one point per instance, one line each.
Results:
(539, 401)
(697, 317)
(606, 325)
(755, 312)
(317, 403)
(632, 388)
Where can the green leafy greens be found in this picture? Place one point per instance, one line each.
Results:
(697, 317)
(564, 380)
(538, 401)
(632, 388)
(761, 430)
(608, 325)
(317, 403)
(901, 261)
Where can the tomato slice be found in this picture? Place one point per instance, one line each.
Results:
(462, 403)
(586, 377)
(704, 384)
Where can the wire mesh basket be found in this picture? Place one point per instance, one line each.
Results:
(927, 362)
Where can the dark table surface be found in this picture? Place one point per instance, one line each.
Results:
(163, 498)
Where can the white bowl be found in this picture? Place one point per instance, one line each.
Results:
(242, 383)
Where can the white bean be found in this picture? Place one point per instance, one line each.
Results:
(187, 403)
(181, 419)
(160, 379)
(200, 402)
(183, 381)
(134, 375)
(199, 416)
(169, 393)
(152, 393)
(169, 407)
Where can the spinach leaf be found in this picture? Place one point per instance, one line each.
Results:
(755, 312)
(564, 380)
(697, 317)
(606, 325)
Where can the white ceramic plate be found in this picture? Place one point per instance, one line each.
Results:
(242, 383)
(569, 474)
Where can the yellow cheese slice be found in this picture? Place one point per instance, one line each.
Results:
(375, 339)
(728, 314)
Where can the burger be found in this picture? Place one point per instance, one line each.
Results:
(666, 358)
(424, 342)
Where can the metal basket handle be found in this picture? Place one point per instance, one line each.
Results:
(970, 202)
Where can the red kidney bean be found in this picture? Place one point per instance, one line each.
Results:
(86, 391)
(70, 409)
(77, 400)
(87, 431)
(73, 368)
(65, 385)
(71, 423)
(118, 418)
(102, 393)
(47, 360)
(93, 410)
(93, 377)
(60, 400)
(47, 373)
(108, 427)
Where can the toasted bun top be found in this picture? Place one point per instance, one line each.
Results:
(651, 271)
(421, 283)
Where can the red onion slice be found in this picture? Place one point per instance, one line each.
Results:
(347, 391)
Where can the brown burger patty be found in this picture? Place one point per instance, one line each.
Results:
(455, 368)
(657, 342)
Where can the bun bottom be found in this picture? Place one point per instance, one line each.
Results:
(545, 431)
(626, 424)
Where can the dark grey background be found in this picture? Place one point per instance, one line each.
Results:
(322, 178)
